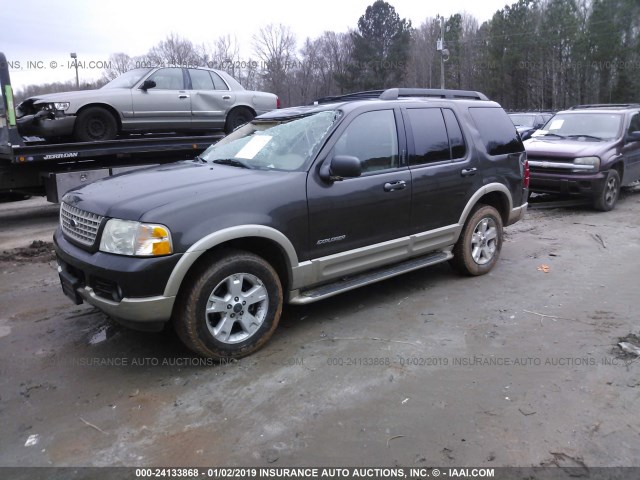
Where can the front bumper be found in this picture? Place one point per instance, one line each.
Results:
(564, 184)
(29, 126)
(125, 288)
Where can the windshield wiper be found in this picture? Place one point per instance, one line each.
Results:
(585, 136)
(198, 157)
(553, 135)
(233, 162)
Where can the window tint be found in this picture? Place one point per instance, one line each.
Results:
(497, 131)
(168, 79)
(456, 140)
(371, 137)
(200, 79)
(218, 82)
(429, 135)
(634, 125)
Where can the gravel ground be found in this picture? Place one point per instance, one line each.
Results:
(517, 368)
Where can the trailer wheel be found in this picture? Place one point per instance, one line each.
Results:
(95, 124)
(237, 116)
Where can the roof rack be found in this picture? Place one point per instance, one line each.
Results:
(606, 105)
(349, 96)
(395, 93)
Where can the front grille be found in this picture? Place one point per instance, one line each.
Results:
(79, 225)
(551, 165)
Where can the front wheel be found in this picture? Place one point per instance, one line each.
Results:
(608, 196)
(95, 124)
(478, 248)
(231, 307)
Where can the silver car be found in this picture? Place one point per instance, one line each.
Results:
(164, 99)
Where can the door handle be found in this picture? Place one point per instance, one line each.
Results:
(468, 172)
(226, 97)
(183, 96)
(397, 185)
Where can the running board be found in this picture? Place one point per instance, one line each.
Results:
(349, 283)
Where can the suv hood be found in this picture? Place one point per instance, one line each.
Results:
(170, 189)
(563, 148)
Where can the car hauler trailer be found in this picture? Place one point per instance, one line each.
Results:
(34, 167)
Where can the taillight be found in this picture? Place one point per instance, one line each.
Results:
(525, 180)
(278, 102)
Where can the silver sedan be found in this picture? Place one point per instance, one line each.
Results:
(146, 100)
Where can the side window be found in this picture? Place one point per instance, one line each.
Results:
(429, 136)
(634, 125)
(497, 131)
(372, 137)
(218, 82)
(200, 79)
(168, 79)
(456, 140)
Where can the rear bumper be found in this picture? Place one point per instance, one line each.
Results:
(564, 184)
(517, 214)
(46, 127)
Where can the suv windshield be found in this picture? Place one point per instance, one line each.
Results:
(599, 126)
(127, 79)
(273, 144)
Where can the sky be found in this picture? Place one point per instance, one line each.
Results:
(39, 36)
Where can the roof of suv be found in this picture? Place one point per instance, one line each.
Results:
(379, 96)
(600, 107)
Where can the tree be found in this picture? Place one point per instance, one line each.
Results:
(119, 63)
(380, 48)
(275, 46)
(175, 50)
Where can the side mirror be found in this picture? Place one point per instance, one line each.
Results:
(341, 167)
(147, 84)
(633, 136)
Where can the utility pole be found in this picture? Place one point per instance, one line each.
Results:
(75, 64)
(443, 51)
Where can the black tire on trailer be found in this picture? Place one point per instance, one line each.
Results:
(95, 124)
(237, 117)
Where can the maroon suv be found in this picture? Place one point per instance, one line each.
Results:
(588, 150)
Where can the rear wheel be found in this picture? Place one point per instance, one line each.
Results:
(607, 198)
(231, 307)
(95, 124)
(478, 248)
(236, 118)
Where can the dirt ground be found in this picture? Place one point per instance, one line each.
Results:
(516, 368)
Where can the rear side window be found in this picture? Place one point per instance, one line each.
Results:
(436, 135)
(497, 131)
(430, 140)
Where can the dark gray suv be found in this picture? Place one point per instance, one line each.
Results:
(296, 206)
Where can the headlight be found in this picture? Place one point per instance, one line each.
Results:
(125, 237)
(588, 164)
(61, 105)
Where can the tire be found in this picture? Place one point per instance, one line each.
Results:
(223, 284)
(236, 118)
(606, 199)
(478, 248)
(95, 124)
